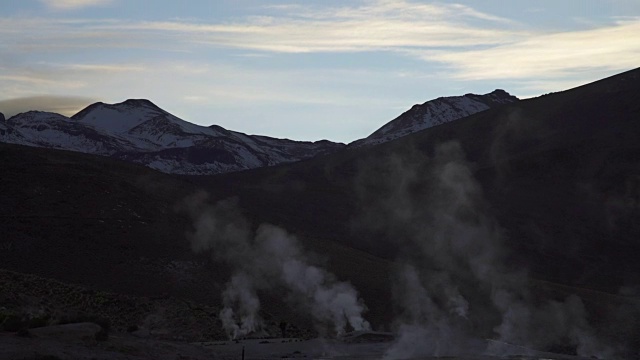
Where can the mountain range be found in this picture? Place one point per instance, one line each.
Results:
(139, 131)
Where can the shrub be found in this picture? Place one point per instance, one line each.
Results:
(14, 323)
(102, 335)
(39, 321)
(132, 328)
(46, 357)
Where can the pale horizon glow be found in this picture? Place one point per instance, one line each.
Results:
(304, 70)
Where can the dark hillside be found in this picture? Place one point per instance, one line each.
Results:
(113, 226)
(560, 173)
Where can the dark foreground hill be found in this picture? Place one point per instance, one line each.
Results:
(108, 225)
(560, 173)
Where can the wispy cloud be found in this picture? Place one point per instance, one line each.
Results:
(40, 35)
(104, 68)
(377, 26)
(613, 47)
(74, 4)
(44, 77)
(474, 44)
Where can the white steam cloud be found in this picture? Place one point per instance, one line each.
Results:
(240, 294)
(268, 259)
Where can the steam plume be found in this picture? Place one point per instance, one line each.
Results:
(455, 288)
(241, 295)
(268, 259)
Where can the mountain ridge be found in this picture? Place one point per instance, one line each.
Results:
(435, 112)
(137, 130)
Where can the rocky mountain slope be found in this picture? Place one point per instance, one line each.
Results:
(435, 112)
(140, 132)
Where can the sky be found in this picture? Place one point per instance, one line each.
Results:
(303, 70)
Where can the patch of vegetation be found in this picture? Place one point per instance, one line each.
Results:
(102, 335)
(14, 322)
(46, 357)
(39, 321)
(28, 301)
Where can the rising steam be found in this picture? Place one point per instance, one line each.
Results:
(268, 259)
(454, 288)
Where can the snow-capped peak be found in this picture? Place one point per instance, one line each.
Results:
(118, 118)
(435, 112)
(139, 131)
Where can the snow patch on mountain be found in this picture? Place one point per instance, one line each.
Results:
(45, 129)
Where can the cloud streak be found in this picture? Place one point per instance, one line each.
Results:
(74, 4)
(614, 47)
(471, 43)
(377, 26)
